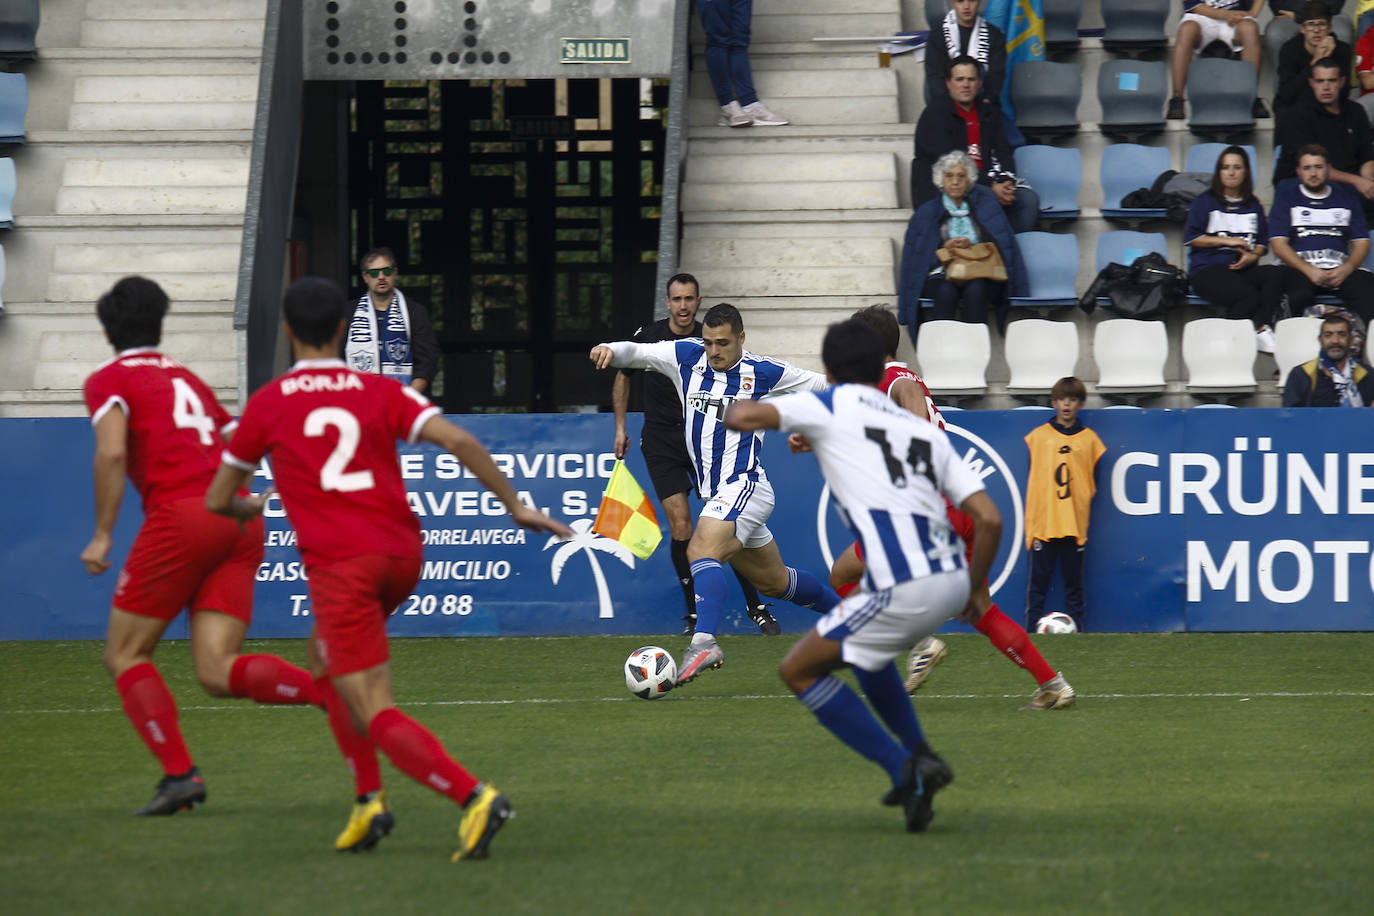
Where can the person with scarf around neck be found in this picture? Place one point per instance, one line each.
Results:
(389, 333)
(1335, 378)
(964, 32)
(961, 215)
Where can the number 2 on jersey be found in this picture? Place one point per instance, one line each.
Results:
(189, 413)
(332, 475)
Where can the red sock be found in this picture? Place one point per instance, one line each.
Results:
(1007, 635)
(358, 750)
(268, 679)
(418, 754)
(150, 707)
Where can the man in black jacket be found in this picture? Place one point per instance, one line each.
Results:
(963, 120)
(964, 33)
(1334, 378)
(1337, 124)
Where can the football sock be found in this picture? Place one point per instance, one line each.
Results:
(839, 709)
(358, 750)
(268, 679)
(150, 707)
(1012, 641)
(709, 578)
(808, 591)
(684, 574)
(886, 691)
(751, 594)
(418, 754)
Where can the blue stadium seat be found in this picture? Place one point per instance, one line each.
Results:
(1056, 174)
(14, 105)
(1123, 246)
(1126, 167)
(8, 185)
(1134, 26)
(1132, 94)
(19, 29)
(1045, 95)
(1202, 157)
(1220, 94)
(1051, 261)
(2, 279)
(1061, 25)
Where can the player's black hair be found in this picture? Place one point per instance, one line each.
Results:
(313, 308)
(853, 352)
(881, 319)
(132, 312)
(1069, 387)
(724, 313)
(380, 252)
(682, 278)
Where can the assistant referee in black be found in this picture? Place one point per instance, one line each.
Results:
(665, 450)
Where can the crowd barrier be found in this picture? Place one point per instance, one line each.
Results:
(1249, 519)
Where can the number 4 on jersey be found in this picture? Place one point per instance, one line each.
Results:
(188, 412)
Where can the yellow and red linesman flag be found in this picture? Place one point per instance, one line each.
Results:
(626, 515)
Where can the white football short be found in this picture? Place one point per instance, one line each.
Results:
(1212, 30)
(747, 503)
(875, 627)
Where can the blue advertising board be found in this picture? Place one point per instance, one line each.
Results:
(1203, 520)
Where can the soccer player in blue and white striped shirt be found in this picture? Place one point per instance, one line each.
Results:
(711, 373)
(887, 469)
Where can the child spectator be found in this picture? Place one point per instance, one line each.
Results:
(1059, 493)
(1231, 22)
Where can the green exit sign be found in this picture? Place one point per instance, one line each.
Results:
(594, 50)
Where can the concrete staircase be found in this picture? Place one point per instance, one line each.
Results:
(140, 125)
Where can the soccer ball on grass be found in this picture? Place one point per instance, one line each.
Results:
(650, 672)
(1057, 622)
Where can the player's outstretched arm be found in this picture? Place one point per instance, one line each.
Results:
(222, 498)
(475, 457)
(748, 416)
(987, 534)
(108, 470)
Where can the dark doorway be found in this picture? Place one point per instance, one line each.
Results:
(525, 213)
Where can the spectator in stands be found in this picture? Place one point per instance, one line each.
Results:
(962, 214)
(390, 333)
(1364, 71)
(1317, 230)
(1226, 234)
(966, 34)
(1231, 22)
(963, 120)
(1314, 43)
(1285, 25)
(1335, 123)
(726, 24)
(1335, 378)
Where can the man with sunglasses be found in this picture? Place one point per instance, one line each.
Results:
(390, 334)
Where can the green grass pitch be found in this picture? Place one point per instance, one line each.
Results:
(1199, 773)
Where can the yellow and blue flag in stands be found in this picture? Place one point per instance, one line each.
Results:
(1023, 22)
(626, 515)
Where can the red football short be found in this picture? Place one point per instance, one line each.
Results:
(351, 600)
(185, 556)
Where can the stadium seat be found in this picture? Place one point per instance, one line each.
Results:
(1051, 261)
(1202, 157)
(1130, 356)
(1134, 26)
(1127, 167)
(1123, 246)
(1220, 94)
(1132, 95)
(1369, 258)
(1045, 96)
(1056, 174)
(1040, 353)
(14, 105)
(2, 279)
(953, 356)
(19, 29)
(1295, 342)
(8, 186)
(1061, 25)
(1220, 355)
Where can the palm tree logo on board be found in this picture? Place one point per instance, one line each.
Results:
(583, 539)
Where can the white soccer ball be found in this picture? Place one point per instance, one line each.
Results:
(1057, 622)
(650, 672)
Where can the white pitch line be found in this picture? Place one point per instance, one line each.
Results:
(750, 696)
